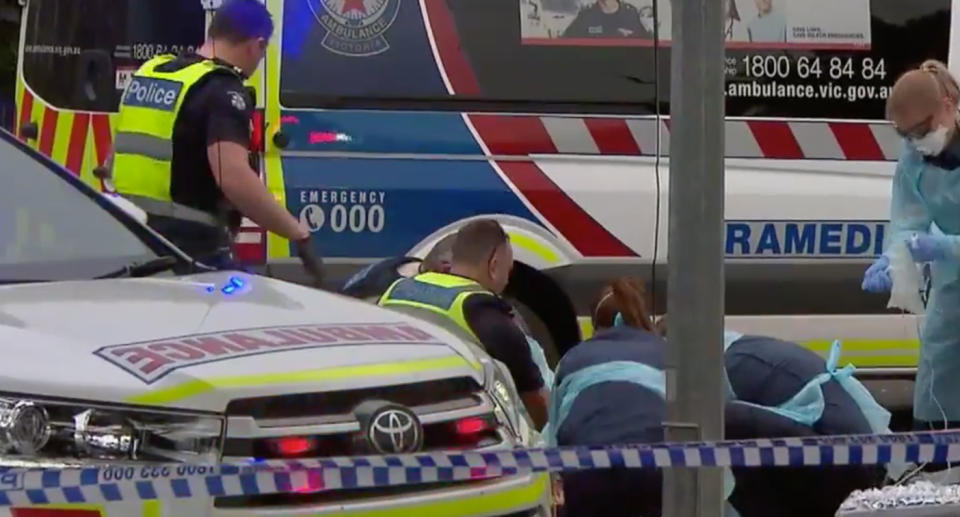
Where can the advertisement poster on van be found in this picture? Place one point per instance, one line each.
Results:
(768, 24)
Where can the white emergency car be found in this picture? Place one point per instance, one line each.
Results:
(116, 348)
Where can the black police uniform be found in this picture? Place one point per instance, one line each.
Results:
(217, 109)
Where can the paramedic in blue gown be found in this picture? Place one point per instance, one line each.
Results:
(764, 375)
(614, 381)
(925, 215)
(609, 390)
(777, 388)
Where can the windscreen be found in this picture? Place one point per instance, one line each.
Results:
(388, 53)
(78, 55)
(824, 59)
(50, 230)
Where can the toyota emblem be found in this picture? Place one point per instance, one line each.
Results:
(394, 430)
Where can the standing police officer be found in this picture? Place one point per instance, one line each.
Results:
(182, 143)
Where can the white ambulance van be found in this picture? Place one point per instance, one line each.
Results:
(386, 124)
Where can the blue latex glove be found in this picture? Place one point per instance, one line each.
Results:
(930, 248)
(877, 277)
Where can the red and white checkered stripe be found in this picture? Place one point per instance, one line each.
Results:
(250, 243)
(744, 138)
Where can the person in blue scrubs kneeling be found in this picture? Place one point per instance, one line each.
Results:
(611, 392)
(781, 389)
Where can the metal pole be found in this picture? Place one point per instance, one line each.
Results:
(695, 305)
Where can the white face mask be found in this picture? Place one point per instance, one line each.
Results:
(932, 143)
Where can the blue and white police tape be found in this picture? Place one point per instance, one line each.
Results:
(43, 484)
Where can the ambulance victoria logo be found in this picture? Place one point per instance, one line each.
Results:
(355, 27)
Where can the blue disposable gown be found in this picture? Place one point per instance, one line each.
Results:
(764, 373)
(614, 412)
(926, 198)
(610, 390)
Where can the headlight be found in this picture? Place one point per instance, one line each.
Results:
(38, 429)
(499, 385)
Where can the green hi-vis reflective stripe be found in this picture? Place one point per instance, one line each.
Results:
(872, 353)
(435, 297)
(862, 353)
(143, 147)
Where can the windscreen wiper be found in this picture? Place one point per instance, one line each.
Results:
(141, 269)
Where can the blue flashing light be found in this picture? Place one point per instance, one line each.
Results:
(233, 285)
(298, 20)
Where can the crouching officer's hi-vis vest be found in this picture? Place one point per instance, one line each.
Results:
(143, 146)
(437, 298)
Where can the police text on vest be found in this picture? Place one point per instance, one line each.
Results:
(147, 92)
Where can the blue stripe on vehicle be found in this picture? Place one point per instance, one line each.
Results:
(417, 197)
(379, 131)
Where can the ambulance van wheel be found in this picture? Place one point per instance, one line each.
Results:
(546, 309)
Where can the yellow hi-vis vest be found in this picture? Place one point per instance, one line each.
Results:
(437, 298)
(143, 146)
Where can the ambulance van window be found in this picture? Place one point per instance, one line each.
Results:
(820, 58)
(511, 55)
(79, 55)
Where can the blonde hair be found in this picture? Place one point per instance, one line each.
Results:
(923, 88)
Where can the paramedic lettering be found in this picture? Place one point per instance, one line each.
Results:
(812, 239)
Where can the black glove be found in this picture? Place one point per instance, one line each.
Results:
(312, 262)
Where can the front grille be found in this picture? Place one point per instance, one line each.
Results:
(342, 402)
(436, 436)
(455, 414)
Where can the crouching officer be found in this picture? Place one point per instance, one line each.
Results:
(372, 281)
(181, 148)
(466, 301)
